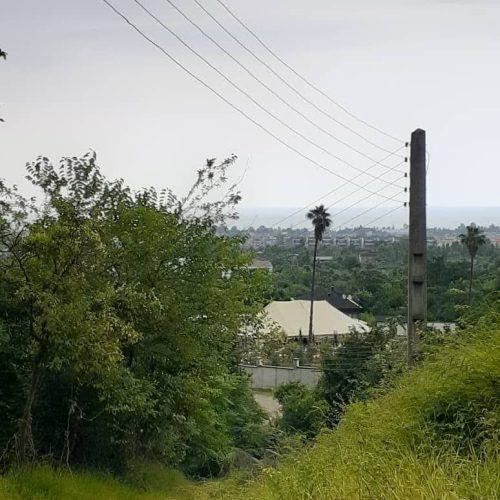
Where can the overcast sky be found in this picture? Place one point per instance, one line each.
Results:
(77, 77)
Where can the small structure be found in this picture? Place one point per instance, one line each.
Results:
(293, 318)
(261, 264)
(341, 301)
(324, 258)
(271, 377)
(344, 303)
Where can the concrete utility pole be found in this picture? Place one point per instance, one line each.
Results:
(417, 252)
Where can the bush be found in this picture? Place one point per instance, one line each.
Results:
(434, 435)
(303, 411)
(364, 362)
(226, 419)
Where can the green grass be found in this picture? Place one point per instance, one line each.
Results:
(434, 436)
(147, 482)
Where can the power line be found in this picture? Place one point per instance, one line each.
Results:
(372, 221)
(362, 213)
(296, 73)
(277, 75)
(350, 206)
(395, 168)
(331, 206)
(363, 199)
(242, 91)
(236, 108)
(257, 79)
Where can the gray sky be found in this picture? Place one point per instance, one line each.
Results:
(77, 77)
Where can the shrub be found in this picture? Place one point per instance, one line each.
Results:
(434, 435)
(303, 411)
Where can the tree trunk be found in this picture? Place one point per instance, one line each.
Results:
(310, 338)
(25, 444)
(470, 278)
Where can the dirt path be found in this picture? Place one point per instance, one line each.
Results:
(267, 402)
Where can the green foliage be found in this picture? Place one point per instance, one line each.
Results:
(226, 419)
(303, 411)
(119, 322)
(379, 284)
(320, 219)
(434, 435)
(364, 362)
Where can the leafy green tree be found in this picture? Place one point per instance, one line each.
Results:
(55, 261)
(361, 363)
(320, 219)
(127, 306)
(472, 239)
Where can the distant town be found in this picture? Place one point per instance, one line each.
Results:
(362, 238)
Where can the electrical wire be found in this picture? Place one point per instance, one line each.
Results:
(393, 198)
(244, 92)
(340, 187)
(252, 75)
(345, 209)
(305, 80)
(339, 226)
(227, 101)
(368, 224)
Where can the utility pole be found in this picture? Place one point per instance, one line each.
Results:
(417, 252)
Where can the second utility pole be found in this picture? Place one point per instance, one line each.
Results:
(417, 251)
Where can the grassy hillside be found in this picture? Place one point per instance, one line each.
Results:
(435, 435)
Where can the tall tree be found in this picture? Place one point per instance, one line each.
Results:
(472, 240)
(320, 220)
(119, 313)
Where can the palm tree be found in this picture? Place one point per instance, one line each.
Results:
(472, 240)
(320, 219)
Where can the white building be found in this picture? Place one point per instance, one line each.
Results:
(293, 318)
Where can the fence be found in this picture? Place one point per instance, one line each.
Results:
(271, 377)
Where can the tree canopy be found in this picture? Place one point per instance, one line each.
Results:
(120, 314)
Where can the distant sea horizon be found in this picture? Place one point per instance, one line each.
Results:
(442, 217)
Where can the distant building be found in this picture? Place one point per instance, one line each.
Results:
(343, 242)
(447, 241)
(261, 264)
(341, 301)
(356, 242)
(324, 258)
(366, 256)
(344, 303)
(439, 326)
(293, 318)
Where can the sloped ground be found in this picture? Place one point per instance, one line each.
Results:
(434, 436)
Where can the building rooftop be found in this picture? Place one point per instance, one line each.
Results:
(293, 317)
(261, 264)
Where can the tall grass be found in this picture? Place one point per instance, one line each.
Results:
(142, 482)
(434, 436)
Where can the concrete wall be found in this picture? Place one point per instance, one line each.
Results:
(271, 377)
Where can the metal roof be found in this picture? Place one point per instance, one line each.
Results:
(293, 317)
